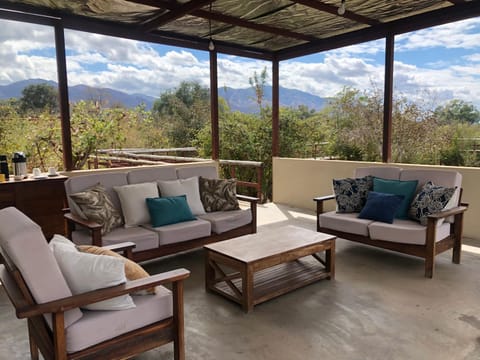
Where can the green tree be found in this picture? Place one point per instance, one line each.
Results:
(257, 82)
(457, 111)
(182, 113)
(38, 98)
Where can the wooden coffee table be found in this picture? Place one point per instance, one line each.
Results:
(255, 268)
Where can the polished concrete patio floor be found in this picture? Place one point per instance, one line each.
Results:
(379, 307)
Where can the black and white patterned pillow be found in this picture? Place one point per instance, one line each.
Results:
(430, 200)
(96, 205)
(351, 194)
(218, 194)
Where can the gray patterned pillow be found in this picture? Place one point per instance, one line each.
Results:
(218, 195)
(96, 205)
(351, 194)
(430, 200)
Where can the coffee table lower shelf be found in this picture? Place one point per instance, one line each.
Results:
(271, 282)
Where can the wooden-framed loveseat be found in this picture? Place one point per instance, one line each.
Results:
(442, 231)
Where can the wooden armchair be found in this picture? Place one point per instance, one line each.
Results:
(58, 327)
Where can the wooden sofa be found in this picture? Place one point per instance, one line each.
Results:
(442, 232)
(165, 240)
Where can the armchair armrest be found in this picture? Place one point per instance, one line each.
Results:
(71, 302)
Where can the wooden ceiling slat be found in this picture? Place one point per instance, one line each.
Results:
(331, 9)
(173, 14)
(231, 20)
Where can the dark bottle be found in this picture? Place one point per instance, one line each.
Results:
(4, 166)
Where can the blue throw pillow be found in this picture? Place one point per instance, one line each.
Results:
(381, 207)
(397, 187)
(169, 210)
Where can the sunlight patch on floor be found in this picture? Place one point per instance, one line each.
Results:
(471, 249)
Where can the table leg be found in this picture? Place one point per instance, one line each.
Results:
(247, 288)
(330, 260)
(209, 272)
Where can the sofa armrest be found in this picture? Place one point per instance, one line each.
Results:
(125, 247)
(95, 229)
(320, 200)
(253, 209)
(450, 212)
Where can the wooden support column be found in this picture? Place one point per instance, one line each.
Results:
(214, 105)
(275, 109)
(63, 97)
(388, 99)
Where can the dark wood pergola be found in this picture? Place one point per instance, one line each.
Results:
(273, 30)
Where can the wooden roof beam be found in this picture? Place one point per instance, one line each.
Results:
(173, 14)
(231, 20)
(418, 22)
(331, 9)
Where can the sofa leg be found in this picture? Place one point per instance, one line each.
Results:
(429, 266)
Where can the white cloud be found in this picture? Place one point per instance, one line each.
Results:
(27, 51)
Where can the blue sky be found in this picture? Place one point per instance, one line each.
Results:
(433, 65)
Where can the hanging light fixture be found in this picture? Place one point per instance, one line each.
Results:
(211, 44)
(341, 9)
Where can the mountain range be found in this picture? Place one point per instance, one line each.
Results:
(243, 100)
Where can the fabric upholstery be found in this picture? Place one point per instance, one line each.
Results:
(95, 205)
(151, 174)
(218, 194)
(344, 222)
(207, 171)
(134, 207)
(23, 241)
(98, 326)
(86, 272)
(188, 187)
(384, 172)
(169, 210)
(381, 206)
(143, 238)
(405, 232)
(223, 221)
(405, 188)
(351, 194)
(79, 183)
(188, 230)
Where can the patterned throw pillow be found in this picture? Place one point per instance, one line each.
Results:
(218, 194)
(351, 194)
(430, 200)
(96, 205)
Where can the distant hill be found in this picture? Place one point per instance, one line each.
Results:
(242, 100)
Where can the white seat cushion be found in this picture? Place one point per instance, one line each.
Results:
(143, 238)
(97, 326)
(187, 230)
(405, 231)
(344, 222)
(223, 221)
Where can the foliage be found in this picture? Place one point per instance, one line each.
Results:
(257, 82)
(182, 113)
(39, 98)
(457, 111)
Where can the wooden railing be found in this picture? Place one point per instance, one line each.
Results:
(109, 158)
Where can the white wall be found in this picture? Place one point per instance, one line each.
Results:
(297, 181)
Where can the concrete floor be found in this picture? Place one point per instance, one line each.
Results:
(379, 307)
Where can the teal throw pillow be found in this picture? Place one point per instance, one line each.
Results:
(169, 210)
(381, 207)
(397, 187)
